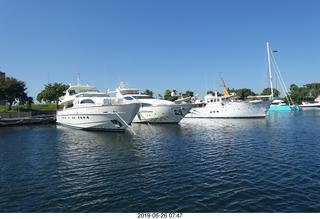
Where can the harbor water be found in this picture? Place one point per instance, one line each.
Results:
(198, 165)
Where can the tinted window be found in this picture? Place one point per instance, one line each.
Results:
(86, 101)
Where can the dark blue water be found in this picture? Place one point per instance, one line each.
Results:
(199, 165)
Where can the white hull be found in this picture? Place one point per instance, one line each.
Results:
(162, 114)
(108, 117)
(310, 105)
(152, 110)
(231, 110)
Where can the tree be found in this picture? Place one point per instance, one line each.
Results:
(52, 92)
(314, 89)
(29, 102)
(188, 94)
(149, 92)
(168, 95)
(299, 94)
(244, 92)
(12, 90)
(267, 91)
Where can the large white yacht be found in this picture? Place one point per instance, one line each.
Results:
(152, 110)
(228, 106)
(84, 107)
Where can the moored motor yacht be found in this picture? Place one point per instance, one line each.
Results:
(152, 110)
(228, 106)
(84, 107)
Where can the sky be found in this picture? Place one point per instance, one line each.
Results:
(159, 44)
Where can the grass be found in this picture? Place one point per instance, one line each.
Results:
(24, 108)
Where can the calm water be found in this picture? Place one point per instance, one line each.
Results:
(199, 165)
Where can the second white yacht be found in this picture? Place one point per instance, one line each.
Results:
(152, 110)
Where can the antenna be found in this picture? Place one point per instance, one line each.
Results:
(78, 79)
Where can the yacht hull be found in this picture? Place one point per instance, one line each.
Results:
(105, 118)
(162, 114)
(256, 109)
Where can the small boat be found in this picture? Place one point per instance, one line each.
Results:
(153, 110)
(277, 104)
(228, 106)
(281, 105)
(84, 107)
(315, 104)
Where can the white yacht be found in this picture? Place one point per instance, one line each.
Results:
(228, 106)
(152, 110)
(311, 105)
(84, 107)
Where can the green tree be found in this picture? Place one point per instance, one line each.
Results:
(52, 92)
(188, 94)
(149, 92)
(314, 89)
(244, 92)
(12, 90)
(29, 102)
(167, 94)
(299, 94)
(267, 91)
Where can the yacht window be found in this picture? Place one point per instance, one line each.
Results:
(86, 101)
(69, 105)
(128, 98)
(143, 97)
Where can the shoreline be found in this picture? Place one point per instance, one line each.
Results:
(18, 121)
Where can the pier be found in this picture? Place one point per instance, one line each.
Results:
(30, 118)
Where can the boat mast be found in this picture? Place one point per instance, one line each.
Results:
(269, 69)
(225, 89)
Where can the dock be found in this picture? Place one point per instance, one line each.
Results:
(27, 120)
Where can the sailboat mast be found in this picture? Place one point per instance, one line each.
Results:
(269, 69)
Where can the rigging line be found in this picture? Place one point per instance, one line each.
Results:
(125, 122)
(154, 131)
(278, 74)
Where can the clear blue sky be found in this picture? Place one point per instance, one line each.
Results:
(159, 44)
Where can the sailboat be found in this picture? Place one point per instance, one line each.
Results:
(279, 104)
